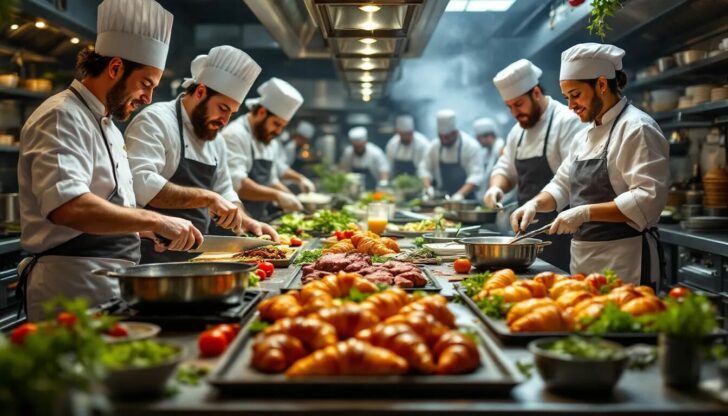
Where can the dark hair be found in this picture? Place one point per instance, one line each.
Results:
(191, 90)
(543, 92)
(256, 107)
(91, 64)
(616, 85)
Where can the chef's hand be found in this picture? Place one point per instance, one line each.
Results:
(457, 197)
(428, 193)
(258, 228)
(492, 196)
(288, 202)
(229, 215)
(523, 216)
(306, 185)
(570, 220)
(182, 233)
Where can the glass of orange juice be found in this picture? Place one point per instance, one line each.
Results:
(377, 217)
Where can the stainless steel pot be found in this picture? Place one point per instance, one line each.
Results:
(495, 252)
(181, 282)
(456, 206)
(688, 57)
(9, 209)
(474, 216)
(665, 63)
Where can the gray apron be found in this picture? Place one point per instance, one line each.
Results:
(534, 174)
(403, 166)
(590, 184)
(189, 173)
(121, 246)
(370, 182)
(261, 173)
(453, 174)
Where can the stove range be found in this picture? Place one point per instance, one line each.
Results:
(187, 316)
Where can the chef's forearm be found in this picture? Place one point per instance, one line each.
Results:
(292, 175)
(253, 191)
(384, 176)
(175, 196)
(606, 212)
(466, 189)
(502, 182)
(544, 202)
(426, 182)
(92, 214)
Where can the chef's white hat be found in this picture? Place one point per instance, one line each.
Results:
(358, 134)
(517, 79)
(225, 69)
(279, 97)
(446, 121)
(405, 123)
(305, 129)
(484, 125)
(590, 61)
(136, 30)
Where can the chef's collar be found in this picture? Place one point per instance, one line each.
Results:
(96, 106)
(612, 113)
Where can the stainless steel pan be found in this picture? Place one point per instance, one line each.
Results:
(475, 216)
(181, 282)
(495, 252)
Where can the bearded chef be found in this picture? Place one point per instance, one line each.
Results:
(365, 158)
(407, 148)
(454, 162)
(77, 201)
(535, 147)
(178, 158)
(615, 180)
(486, 133)
(254, 156)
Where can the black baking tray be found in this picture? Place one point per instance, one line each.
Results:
(500, 329)
(294, 282)
(234, 376)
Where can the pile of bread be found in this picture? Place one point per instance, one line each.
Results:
(365, 243)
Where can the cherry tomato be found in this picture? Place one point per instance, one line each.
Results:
(348, 233)
(595, 281)
(261, 274)
(267, 267)
(212, 343)
(339, 235)
(575, 3)
(18, 335)
(679, 292)
(228, 330)
(117, 330)
(66, 319)
(296, 242)
(578, 276)
(462, 266)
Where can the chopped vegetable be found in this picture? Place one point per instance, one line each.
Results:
(295, 242)
(474, 283)
(291, 224)
(326, 221)
(494, 306)
(594, 349)
(138, 354)
(253, 280)
(613, 319)
(258, 326)
(309, 256)
(406, 182)
(191, 374)
(267, 267)
(524, 368)
(379, 259)
(419, 242)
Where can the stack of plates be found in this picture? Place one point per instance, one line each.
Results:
(719, 94)
(715, 184)
(685, 101)
(706, 223)
(699, 93)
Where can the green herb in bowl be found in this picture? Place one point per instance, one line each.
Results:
(139, 367)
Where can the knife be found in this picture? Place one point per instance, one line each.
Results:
(226, 244)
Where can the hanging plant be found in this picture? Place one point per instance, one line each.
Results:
(600, 10)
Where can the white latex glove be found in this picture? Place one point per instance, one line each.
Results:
(492, 196)
(288, 202)
(523, 216)
(570, 220)
(306, 185)
(457, 197)
(383, 183)
(428, 192)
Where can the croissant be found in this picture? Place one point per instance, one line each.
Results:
(351, 357)
(340, 285)
(546, 278)
(644, 305)
(387, 303)
(571, 299)
(278, 307)
(522, 308)
(456, 353)
(403, 341)
(312, 300)
(585, 312)
(622, 297)
(275, 353)
(343, 246)
(511, 294)
(645, 290)
(348, 319)
(578, 276)
(546, 318)
(435, 305)
(567, 285)
(390, 244)
(537, 289)
(500, 279)
(357, 238)
(313, 333)
(424, 324)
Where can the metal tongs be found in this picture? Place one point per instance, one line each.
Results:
(530, 234)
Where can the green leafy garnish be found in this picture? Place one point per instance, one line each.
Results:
(253, 280)
(494, 306)
(406, 182)
(357, 296)
(525, 368)
(473, 284)
(586, 348)
(258, 326)
(331, 180)
(691, 316)
(191, 374)
(601, 9)
(291, 224)
(612, 281)
(379, 259)
(325, 221)
(612, 320)
(308, 256)
(419, 241)
(471, 334)
(138, 354)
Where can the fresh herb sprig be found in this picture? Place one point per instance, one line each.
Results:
(308, 256)
(473, 284)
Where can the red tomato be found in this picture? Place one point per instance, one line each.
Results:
(348, 233)
(595, 281)
(296, 242)
(679, 292)
(267, 267)
(212, 343)
(117, 330)
(575, 3)
(18, 335)
(339, 235)
(228, 330)
(66, 319)
(261, 274)
(462, 266)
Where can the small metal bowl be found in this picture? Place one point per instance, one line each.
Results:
(457, 206)
(476, 216)
(452, 236)
(495, 252)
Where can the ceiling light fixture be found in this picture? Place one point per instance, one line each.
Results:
(370, 8)
(367, 66)
(14, 26)
(40, 24)
(366, 59)
(369, 25)
(366, 98)
(366, 91)
(368, 51)
(75, 40)
(366, 85)
(367, 77)
(367, 41)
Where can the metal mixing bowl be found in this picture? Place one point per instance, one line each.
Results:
(457, 206)
(688, 57)
(495, 252)
(475, 216)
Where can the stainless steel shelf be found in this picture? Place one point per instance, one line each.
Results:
(22, 94)
(705, 70)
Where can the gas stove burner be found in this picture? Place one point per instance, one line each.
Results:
(186, 316)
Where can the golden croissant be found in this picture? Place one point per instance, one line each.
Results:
(348, 319)
(424, 324)
(456, 353)
(522, 308)
(278, 307)
(511, 294)
(313, 333)
(566, 285)
(546, 318)
(571, 299)
(435, 305)
(276, 352)
(386, 303)
(343, 246)
(500, 279)
(339, 285)
(349, 358)
(403, 341)
(644, 305)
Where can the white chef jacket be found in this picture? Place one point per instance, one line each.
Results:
(289, 151)
(490, 158)
(638, 167)
(152, 140)
(63, 156)
(415, 151)
(470, 159)
(372, 159)
(282, 159)
(565, 126)
(238, 137)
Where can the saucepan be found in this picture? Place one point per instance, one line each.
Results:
(477, 216)
(456, 206)
(495, 252)
(182, 282)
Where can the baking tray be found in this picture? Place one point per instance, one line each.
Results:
(235, 377)
(277, 263)
(294, 282)
(504, 334)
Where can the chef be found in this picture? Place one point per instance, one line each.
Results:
(454, 163)
(535, 146)
(615, 179)
(406, 148)
(253, 156)
(178, 158)
(365, 158)
(76, 196)
(299, 145)
(486, 132)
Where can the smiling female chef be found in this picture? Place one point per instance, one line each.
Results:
(615, 180)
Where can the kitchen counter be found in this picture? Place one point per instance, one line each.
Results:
(637, 392)
(716, 243)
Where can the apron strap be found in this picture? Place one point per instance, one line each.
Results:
(646, 267)
(178, 111)
(22, 290)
